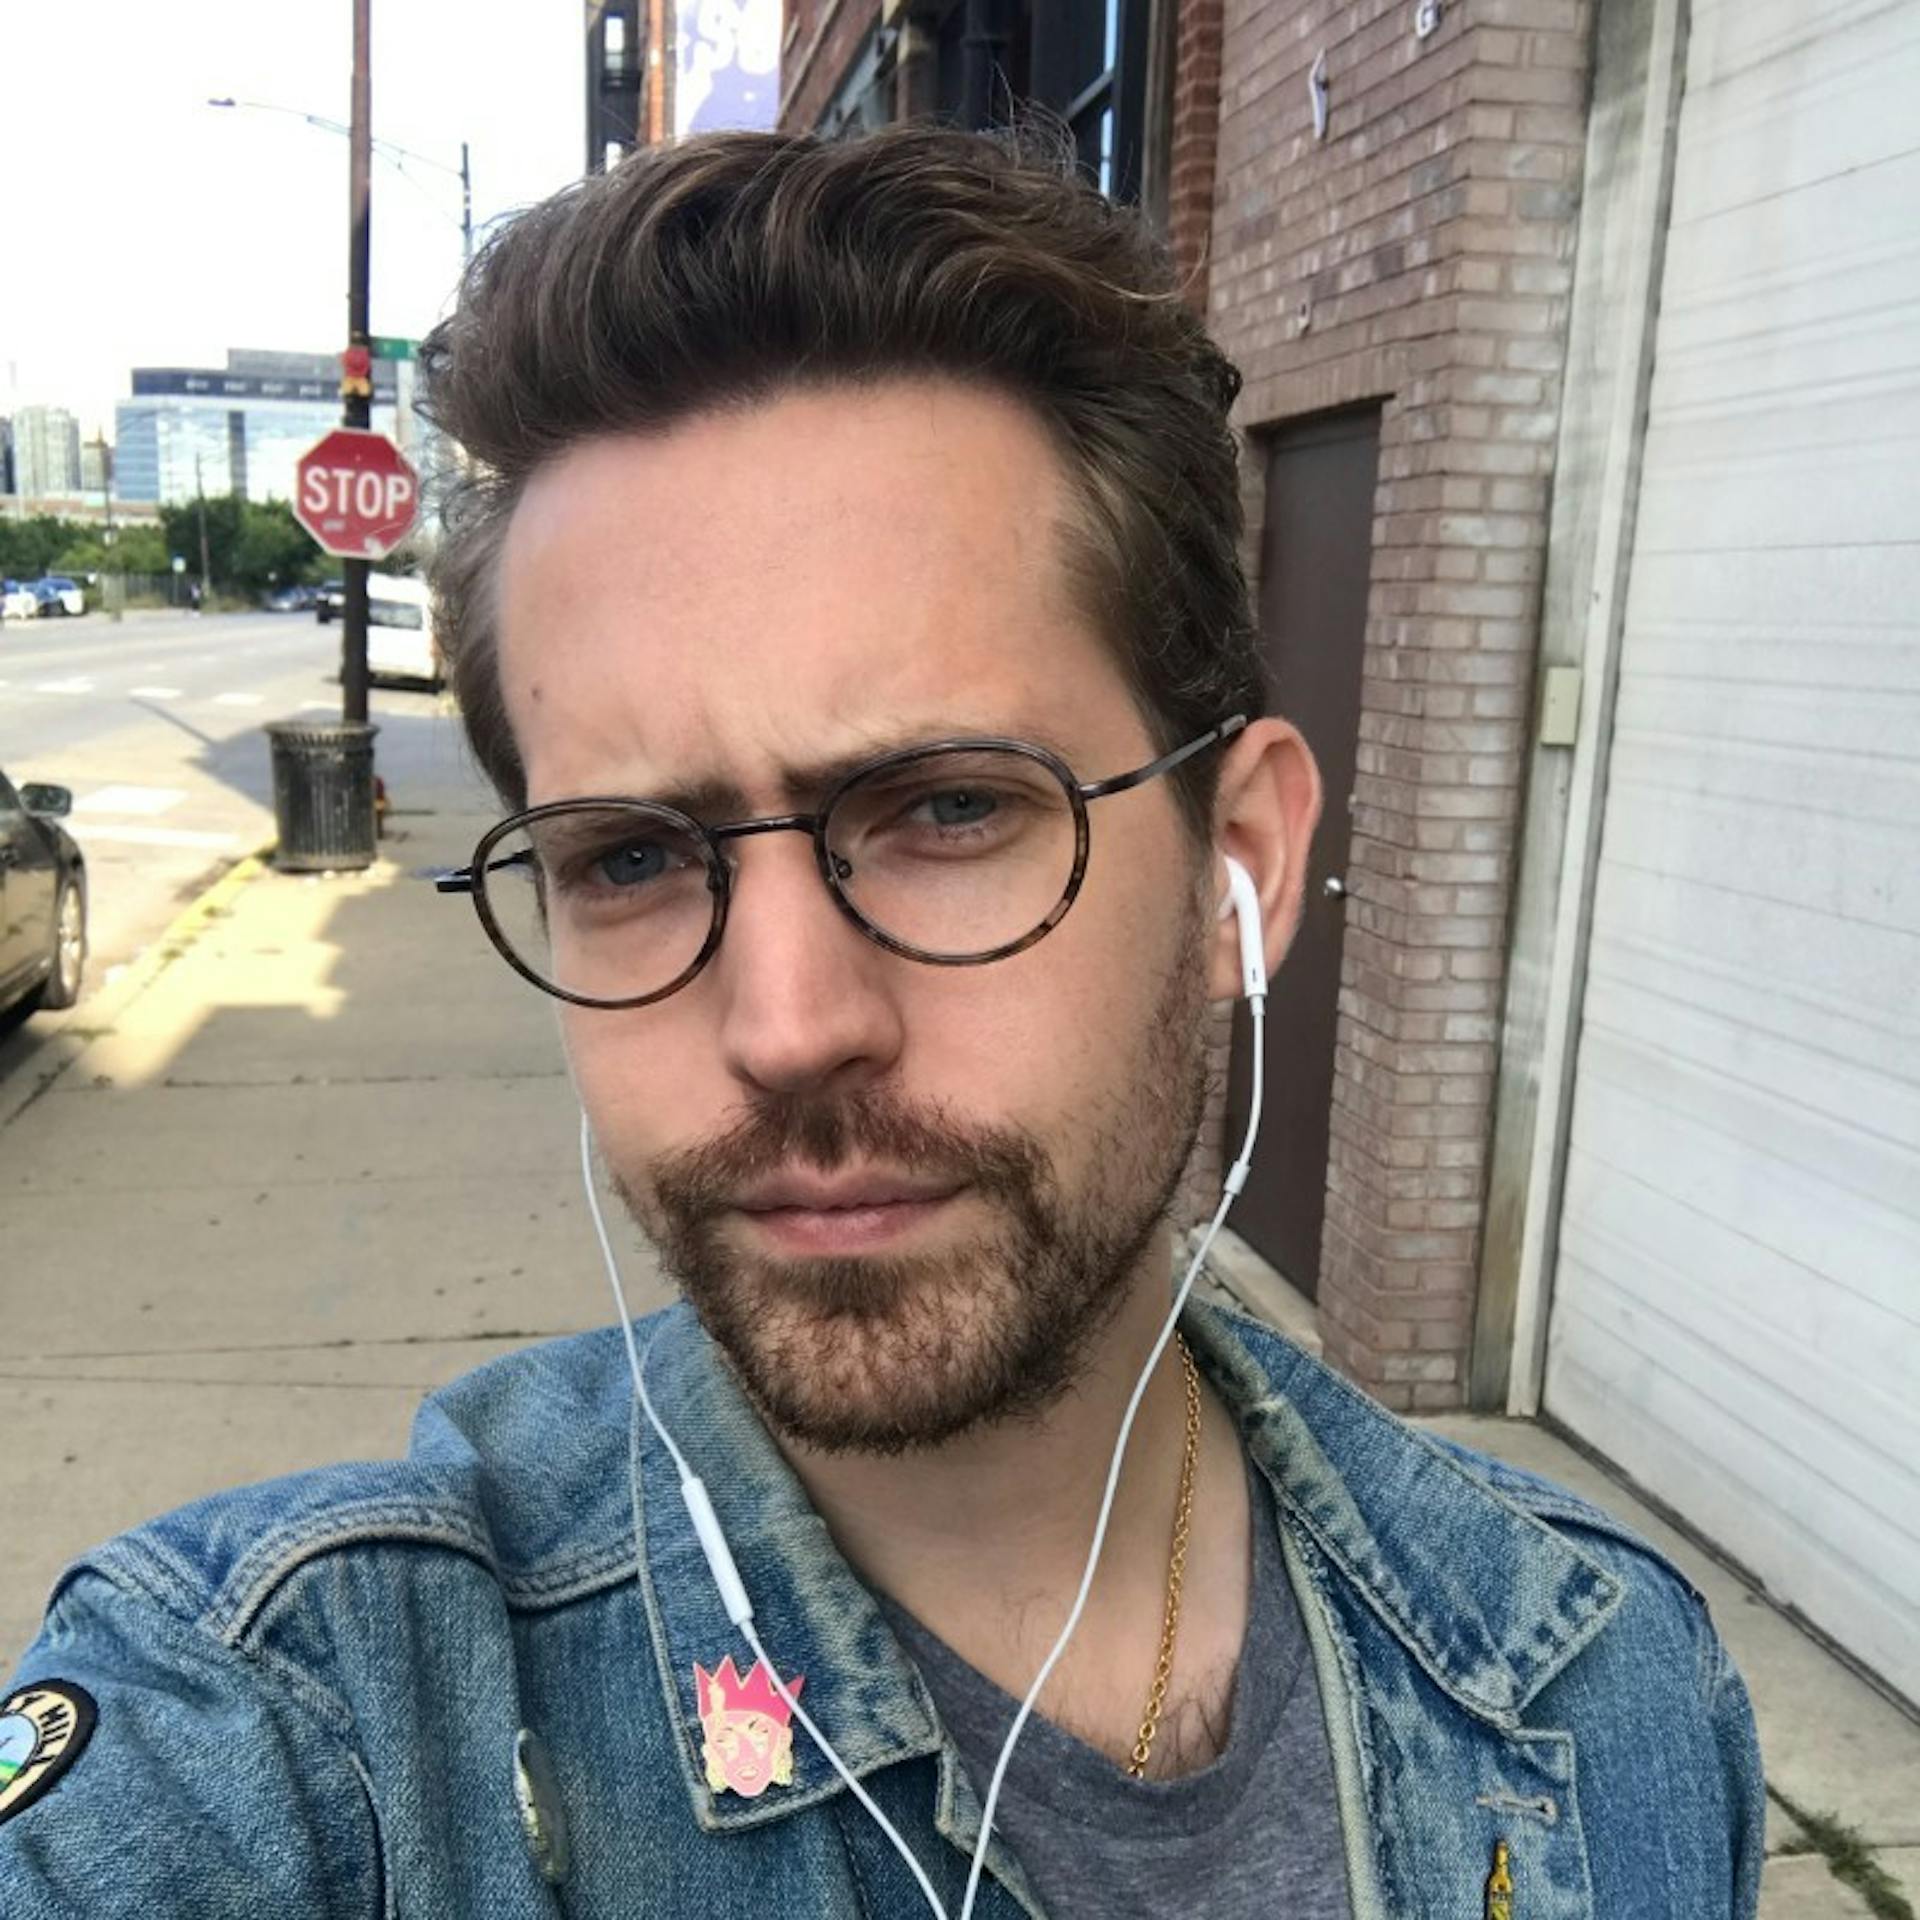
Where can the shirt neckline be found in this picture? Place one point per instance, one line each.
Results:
(1057, 1771)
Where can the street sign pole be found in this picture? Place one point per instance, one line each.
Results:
(359, 395)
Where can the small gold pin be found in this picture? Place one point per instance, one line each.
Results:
(543, 1820)
(1500, 1885)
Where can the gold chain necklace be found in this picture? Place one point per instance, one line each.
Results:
(1176, 1569)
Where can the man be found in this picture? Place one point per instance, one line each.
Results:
(845, 602)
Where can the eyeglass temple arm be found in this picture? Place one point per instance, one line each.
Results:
(463, 879)
(1121, 782)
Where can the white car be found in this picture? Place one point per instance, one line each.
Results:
(59, 596)
(400, 642)
(18, 601)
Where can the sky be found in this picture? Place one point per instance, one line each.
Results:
(145, 228)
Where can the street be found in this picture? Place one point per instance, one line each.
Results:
(158, 726)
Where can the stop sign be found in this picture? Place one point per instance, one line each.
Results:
(356, 493)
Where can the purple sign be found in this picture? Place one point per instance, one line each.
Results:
(729, 65)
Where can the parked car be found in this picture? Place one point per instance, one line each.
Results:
(18, 601)
(330, 597)
(400, 639)
(290, 599)
(43, 901)
(59, 596)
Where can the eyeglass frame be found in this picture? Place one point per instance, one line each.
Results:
(469, 879)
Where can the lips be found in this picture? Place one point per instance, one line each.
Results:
(843, 1214)
(840, 1193)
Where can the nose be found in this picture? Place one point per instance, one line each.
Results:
(807, 1001)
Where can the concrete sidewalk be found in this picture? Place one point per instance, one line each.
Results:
(318, 1155)
(315, 1156)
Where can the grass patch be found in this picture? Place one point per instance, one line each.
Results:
(1850, 1859)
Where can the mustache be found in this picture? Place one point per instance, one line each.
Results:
(696, 1184)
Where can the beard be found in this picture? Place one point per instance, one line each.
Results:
(887, 1354)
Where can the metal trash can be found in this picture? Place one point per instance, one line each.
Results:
(323, 795)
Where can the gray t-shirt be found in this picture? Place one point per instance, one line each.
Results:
(1254, 1836)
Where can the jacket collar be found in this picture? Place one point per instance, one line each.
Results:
(1488, 1600)
(812, 1612)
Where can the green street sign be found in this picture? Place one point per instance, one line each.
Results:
(386, 347)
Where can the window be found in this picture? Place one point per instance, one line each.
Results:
(1084, 60)
(1089, 66)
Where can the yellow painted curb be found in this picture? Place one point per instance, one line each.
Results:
(185, 926)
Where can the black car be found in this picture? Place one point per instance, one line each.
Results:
(329, 600)
(43, 901)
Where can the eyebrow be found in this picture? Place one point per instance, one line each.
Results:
(717, 802)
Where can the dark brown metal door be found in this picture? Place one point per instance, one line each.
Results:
(1316, 552)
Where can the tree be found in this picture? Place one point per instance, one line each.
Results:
(29, 548)
(274, 549)
(181, 525)
(134, 549)
(251, 544)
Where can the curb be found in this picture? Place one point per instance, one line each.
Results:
(68, 1040)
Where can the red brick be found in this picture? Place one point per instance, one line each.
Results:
(1429, 240)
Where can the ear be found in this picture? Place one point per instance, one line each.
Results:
(1264, 814)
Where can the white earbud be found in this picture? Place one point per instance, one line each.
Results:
(1244, 903)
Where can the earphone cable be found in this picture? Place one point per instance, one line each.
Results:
(1236, 1179)
(726, 1575)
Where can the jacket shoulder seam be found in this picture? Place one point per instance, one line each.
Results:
(266, 1565)
(302, 1689)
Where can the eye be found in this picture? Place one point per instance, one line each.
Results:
(632, 863)
(961, 806)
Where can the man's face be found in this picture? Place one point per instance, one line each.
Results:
(903, 1198)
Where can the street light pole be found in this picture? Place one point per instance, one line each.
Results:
(115, 583)
(359, 405)
(466, 207)
(200, 499)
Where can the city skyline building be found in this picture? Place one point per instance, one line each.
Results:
(46, 453)
(240, 428)
(96, 464)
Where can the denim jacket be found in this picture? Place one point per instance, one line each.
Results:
(311, 1694)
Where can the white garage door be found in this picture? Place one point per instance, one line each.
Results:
(1736, 1305)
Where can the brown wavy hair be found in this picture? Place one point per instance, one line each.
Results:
(733, 266)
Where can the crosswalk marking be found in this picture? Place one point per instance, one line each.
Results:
(153, 693)
(75, 685)
(238, 699)
(134, 800)
(133, 836)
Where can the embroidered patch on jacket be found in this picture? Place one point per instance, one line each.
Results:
(43, 1730)
(748, 1728)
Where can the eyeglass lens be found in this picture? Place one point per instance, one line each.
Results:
(954, 855)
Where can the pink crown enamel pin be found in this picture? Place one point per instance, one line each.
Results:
(748, 1728)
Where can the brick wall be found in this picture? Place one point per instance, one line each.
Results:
(818, 39)
(1419, 257)
(1195, 133)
